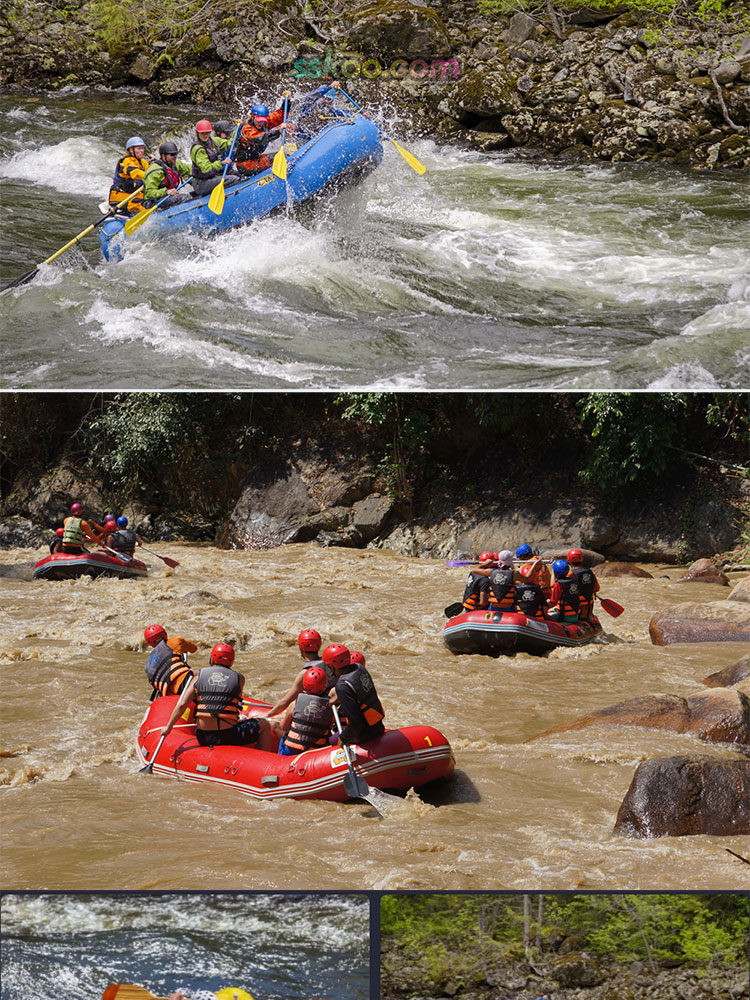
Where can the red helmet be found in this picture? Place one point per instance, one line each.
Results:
(154, 634)
(487, 557)
(110, 525)
(315, 681)
(309, 640)
(76, 508)
(204, 125)
(336, 655)
(356, 657)
(223, 654)
(575, 557)
(59, 532)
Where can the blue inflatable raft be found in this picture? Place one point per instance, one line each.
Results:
(343, 153)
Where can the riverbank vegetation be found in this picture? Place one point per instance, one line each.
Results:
(518, 944)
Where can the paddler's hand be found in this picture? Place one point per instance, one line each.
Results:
(336, 85)
(166, 730)
(227, 159)
(290, 126)
(333, 739)
(286, 94)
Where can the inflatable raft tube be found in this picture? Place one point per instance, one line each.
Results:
(495, 633)
(63, 566)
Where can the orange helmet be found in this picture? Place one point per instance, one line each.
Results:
(575, 557)
(222, 654)
(204, 125)
(315, 681)
(309, 640)
(336, 655)
(154, 634)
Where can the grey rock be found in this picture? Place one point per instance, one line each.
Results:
(521, 28)
(728, 71)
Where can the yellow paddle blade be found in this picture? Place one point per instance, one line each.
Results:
(279, 164)
(216, 201)
(137, 220)
(125, 991)
(233, 993)
(291, 147)
(410, 158)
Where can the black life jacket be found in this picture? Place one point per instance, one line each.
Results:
(361, 683)
(212, 151)
(529, 599)
(124, 540)
(570, 601)
(311, 722)
(501, 589)
(167, 670)
(474, 586)
(252, 149)
(586, 582)
(218, 693)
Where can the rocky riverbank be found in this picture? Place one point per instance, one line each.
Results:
(583, 84)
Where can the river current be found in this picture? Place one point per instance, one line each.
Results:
(491, 271)
(75, 812)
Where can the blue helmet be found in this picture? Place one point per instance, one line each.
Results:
(523, 552)
(259, 111)
(135, 140)
(560, 567)
(122, 522)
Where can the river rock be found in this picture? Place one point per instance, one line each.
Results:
(733, 674)
(17, 571)
(741, 591)
(21, 533)
(590, 558)
(718, 621)
(612, 569)
(705, 571)
(392, 28)
(577, 970)
(521, 29)
(717, 716)
(686, 795)
(727, 71)
(369, 515)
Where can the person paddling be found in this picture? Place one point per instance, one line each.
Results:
(162, 178)
(312, 717)
(361, 710)
(166, 667)
(76, 530)
(309, 643)
(217, 694)
(587, 583)
(477, 590)
(124, 539)
(128, 177)
(565, 594)
(208, 156)
(255, 135)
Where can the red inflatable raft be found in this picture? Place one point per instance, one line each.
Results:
(496, 633)
(398, 760)
(63, 566)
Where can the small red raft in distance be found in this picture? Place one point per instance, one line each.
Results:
(64, 566)
(398, 760)
(496, 633)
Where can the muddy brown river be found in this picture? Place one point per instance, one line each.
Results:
(77, 815)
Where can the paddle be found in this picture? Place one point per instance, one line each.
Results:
(233, 993)
(24, 278)
(453, 609)
(216, 201)
(150, 766)
(122, 556)
(165, 559)
(137, 220)
(125, 991)
(409, 157)
(454, 563)
(279, 161)
(611, 607)
(355, 785)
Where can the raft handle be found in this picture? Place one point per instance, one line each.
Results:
(203, 768)
(269, 779)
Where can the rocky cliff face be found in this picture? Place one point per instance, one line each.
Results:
(620, 90)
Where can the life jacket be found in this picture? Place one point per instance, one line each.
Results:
(529, 599)
(361, 683)
(501, 589)
(123, 179)
(311, 722)
(217, 694)
(212, 152)
(538, 571)
(569, 602)
(586, 586)
(474, 586)
(124, 540)
(251, 142)
(166, 670)
(73, 533)
(171, 178)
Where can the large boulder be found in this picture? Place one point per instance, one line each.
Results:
(733, 674)
(21, 533)
(717, 621)
(577, 970)
(741, 591)
(718, 716)
(391, 28)
(686, 795)
(611, 569)
(705, 571)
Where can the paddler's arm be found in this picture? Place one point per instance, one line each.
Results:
(185, 698)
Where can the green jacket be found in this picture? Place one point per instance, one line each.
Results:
(199, 157)
(154, 183)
